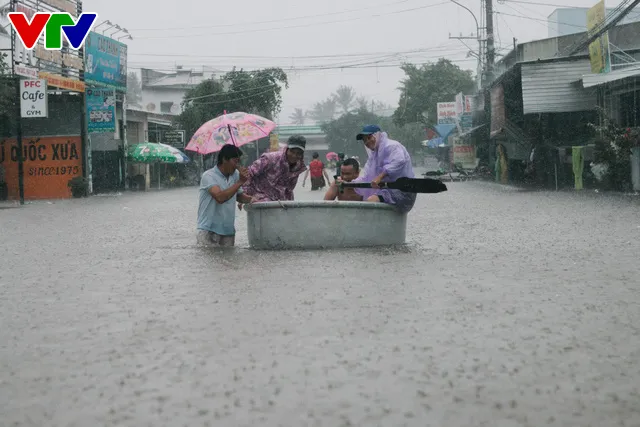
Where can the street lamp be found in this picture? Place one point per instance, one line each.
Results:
(126, 36)
(479, 41)
(118, 29)
(102, 23)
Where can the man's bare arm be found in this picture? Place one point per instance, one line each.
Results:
(332, 193)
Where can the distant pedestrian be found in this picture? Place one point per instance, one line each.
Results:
(318, 174)
(220, 187)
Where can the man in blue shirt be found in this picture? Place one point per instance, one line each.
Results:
(220, 188)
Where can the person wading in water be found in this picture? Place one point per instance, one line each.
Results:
(317, 170)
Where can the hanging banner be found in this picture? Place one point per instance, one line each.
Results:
(498, 117)
(101, 110)
(599, 53)
(459, 104)
(61, 82)
(49, 164)
(33, 98)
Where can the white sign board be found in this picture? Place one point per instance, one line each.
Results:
(28, 72)
(459, 104)
(446, 113)
(33, 98)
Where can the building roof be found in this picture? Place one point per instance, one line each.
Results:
(180, 79)
(591, 80)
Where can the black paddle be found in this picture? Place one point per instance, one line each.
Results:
(407, 185)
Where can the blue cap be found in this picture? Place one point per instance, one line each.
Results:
(368, 130)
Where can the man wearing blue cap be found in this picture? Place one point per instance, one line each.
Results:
(388, 160)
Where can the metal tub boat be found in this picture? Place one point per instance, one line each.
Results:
(323, 224)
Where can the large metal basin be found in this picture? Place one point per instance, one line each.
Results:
(323, 224)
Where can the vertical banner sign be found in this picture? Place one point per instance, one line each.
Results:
(33, 98)
(599, 53)
(273, 142)
(101, 110)
(498, 117)
(105, 62)
(469, 104)
(459, 104)
(446, 113)
(49, 164)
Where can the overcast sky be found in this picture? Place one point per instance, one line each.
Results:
(311, 40)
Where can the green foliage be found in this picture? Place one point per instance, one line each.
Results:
(298, 117)
(7, 98)
(324, 111)
(613, 149)
(425, 86)
(255, 92)
(345, 97)
(341, 133)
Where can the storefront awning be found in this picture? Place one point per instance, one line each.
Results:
(157, 121)
(591, 80)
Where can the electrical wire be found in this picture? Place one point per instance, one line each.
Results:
(350, 55)
(258, 30)
(273, 21)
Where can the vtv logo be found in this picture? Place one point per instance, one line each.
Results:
(53, 25)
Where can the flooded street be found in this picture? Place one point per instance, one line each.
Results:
(505, 308)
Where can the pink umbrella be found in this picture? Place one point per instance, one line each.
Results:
(332, 156)
(235, 128)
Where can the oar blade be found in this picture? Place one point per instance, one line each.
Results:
(417, 185)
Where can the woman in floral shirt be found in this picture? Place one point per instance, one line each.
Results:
(274, 175)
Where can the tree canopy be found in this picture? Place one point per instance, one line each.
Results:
(255, 92)
(7, 97)
(423, 87)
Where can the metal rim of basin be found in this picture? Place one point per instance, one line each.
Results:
(318, 204)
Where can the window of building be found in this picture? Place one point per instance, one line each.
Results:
(165, 107)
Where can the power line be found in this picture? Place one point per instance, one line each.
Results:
(337, 65)
(538, 19)
(538, 3)
(258, 30)
(273, 21)
(350, 55)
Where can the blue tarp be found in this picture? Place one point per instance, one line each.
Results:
(444, 130)
(435, 143)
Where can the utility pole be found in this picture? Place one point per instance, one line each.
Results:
(12, 7)
(491, 53)
(478, 37)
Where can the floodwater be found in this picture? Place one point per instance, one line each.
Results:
(505, 308)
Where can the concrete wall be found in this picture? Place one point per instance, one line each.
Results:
(65, 118)
(155, 96)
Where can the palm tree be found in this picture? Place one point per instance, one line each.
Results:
(345, 96)
(298, 117)
(324, 111)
